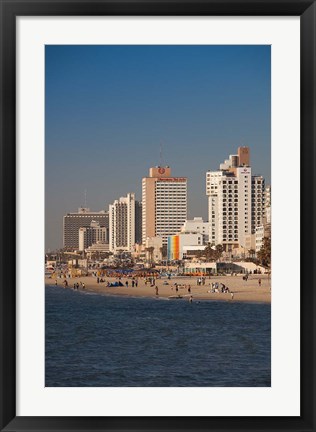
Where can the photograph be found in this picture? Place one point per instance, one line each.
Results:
(146, 283)
(158, 216)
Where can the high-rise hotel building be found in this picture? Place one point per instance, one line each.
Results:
(235, 201)
(164, 200)
(125, 223)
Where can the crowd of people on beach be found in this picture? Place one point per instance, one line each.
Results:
(76, 285)
(128, 275)
(151, 280)
(217, 287)
(200, 281)
(180, 286)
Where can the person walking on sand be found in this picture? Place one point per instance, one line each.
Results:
(232, 295)
(156, 289)
(83, 285)
(56, 282)
(259, 282)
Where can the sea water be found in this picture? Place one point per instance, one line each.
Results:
(100, 340)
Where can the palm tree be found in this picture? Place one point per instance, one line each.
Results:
(218, 251)
(163, 251)
(211, 252)
(264, 255)
(150, 251)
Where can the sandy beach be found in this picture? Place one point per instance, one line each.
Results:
(245, 291)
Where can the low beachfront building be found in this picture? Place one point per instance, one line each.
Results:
(208, 268)
(98, 248)
(195, 268)
(178, 244)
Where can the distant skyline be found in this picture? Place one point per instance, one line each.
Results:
(108, 110)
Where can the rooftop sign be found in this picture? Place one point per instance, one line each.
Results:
(172, 179)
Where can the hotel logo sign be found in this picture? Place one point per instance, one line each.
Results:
(245, 171)
(172, 179)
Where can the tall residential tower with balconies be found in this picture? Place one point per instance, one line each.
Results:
(235, 201)
(124, 225)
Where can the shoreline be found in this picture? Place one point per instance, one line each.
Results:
(243, 291)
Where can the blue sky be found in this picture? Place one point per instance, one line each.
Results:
(108, 109)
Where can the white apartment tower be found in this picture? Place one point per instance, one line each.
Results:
(264, 230)
(267, 204)
(235, 201)
(123, 223)
(164, 201)
(258, 202)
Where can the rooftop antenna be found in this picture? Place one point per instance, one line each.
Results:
(85, 198)
(161, 160)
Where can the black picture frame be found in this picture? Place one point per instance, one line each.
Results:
(306, 10)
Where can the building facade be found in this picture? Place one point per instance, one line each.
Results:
(92, 234)
(124, 223)
(264, 230)
(258, 202)
(164, 201)
(138, 222)
(97, 249)
(153, 248)
(235, 201)
(83, 218)
(179, 245)
(267, 204)
(197, 225)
